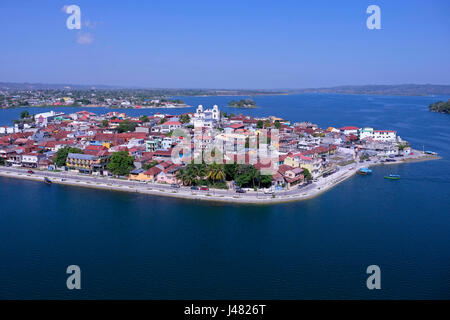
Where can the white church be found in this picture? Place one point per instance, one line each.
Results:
(208, 118)
(207, 114)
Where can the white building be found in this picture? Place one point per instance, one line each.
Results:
(166, 143)
(349, 130)
(384, 135)
(377, 135)
(208, 114)
(45, 117)
(8, 130)
(170, 126)
(31, 160)
(135, 142)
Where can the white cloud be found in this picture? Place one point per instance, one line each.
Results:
(91, 24)
(64, 8)
(85, 38)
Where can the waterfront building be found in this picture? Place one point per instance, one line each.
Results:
(377, 135)
(44, 118)
(349, 130)
(312, 164)
(168, 175)
(291, 175)
(31, 160)
(142, 175)
(87, 163)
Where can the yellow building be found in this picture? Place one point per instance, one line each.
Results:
(313, 165)
(145, 176)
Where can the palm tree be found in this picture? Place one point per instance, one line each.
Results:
(190, 176)
(216, 172)
(181, 176)
(198, 171)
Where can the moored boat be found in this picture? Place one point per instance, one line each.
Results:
(392, 177)
(365, 171)
(47, 180)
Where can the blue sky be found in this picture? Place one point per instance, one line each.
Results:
(225, 44)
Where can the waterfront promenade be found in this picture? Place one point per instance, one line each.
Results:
(256, 197)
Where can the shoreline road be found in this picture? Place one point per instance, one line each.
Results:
(252, 197)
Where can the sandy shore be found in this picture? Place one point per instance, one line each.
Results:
(229, 196)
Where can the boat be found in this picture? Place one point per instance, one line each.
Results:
(392, 177)
(365, 171)
(47, 180)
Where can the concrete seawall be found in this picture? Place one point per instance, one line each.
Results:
(252, 197)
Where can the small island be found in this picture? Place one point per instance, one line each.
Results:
(440, 106)
(243, 104)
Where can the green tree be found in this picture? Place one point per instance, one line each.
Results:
(105, 123)
(2, 161)
(185, 118)
(126, 126)
(307, 174)
(120, 163)
(259, 124)
(246, 175)
(215, 172)
(163, 120)
(277, 124)
(230, 171)
(181, 176)
(187, 176)
(24, 114)
(147, 166)
(264, 181)
(144, 119)
(61, 155)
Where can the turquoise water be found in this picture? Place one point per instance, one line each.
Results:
(139, 246)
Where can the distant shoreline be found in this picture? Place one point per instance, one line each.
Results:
(106, 107)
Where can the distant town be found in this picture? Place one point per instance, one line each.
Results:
(137, 152)
(14, 95)
(86, 98)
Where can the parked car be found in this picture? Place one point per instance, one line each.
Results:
(269, 191)
(239, 190)
(204, 188)
(174, 185)
(194, 188)
(30, 171)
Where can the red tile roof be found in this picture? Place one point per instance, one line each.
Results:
(153, 171)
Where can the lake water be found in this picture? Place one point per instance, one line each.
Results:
(147, 247)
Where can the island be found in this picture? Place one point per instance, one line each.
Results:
(226, 155)
(440, 106)
(243, 104)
